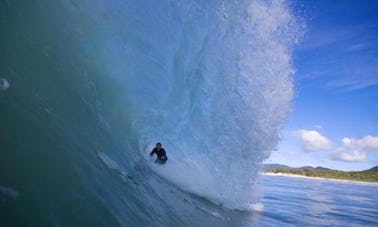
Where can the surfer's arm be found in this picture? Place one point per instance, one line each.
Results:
(152, 152)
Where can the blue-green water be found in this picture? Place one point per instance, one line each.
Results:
(88, 87)
(307, 202)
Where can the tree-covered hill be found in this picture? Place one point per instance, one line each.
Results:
(370, 175)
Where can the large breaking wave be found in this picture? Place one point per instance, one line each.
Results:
(210, 80)
(215, 93)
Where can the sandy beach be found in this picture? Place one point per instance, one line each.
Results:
(315, 178)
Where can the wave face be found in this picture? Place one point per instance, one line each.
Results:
(88, 88)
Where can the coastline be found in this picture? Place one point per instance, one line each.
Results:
(314, 178)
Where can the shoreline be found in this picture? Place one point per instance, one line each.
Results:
(315, 178)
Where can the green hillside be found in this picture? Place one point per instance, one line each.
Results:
(374, 169)
(370, 175)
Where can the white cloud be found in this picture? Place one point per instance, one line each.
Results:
(312, 140)
(354, 150)
(368, 143)
(351, 149)
(341, 154)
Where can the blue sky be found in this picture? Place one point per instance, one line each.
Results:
(334, 122)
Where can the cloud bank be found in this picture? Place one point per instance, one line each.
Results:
(351, 149)
(354, 150)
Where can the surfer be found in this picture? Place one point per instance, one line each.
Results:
(160, 152)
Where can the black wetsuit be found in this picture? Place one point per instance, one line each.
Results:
(162, 156)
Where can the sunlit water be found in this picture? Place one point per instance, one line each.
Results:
(309, 202)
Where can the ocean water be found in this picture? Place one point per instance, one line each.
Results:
(88, 87)
(313, 202)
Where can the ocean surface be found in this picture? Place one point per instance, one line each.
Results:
(87, 87)
(313, 202)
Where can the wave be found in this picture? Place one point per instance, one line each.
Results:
(105, 80)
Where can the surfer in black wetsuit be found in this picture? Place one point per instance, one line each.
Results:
(160, 152)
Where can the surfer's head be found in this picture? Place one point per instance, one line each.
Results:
(158, 145)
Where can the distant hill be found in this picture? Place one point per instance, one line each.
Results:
(370, 175)
(374, 169)
(322, 168)
(267, 167)
(312, 168)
